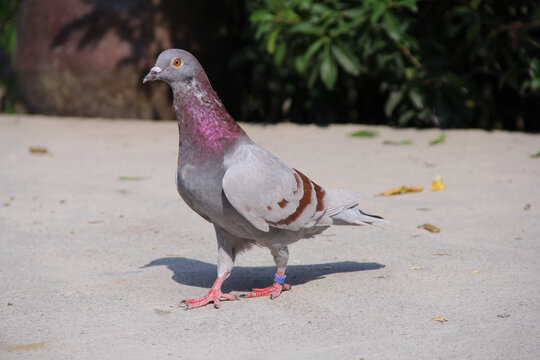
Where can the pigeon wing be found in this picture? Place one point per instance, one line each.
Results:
(268, 193)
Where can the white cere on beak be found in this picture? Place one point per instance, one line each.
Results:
(156, 69)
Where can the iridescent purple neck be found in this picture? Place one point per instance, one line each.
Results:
(204, 125)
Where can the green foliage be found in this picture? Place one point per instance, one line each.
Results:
(402, 62)
(8, 26)
(8, 32)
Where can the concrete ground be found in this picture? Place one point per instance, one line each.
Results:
(98, 249)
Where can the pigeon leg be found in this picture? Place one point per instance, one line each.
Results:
(226, 256)
(281, 256)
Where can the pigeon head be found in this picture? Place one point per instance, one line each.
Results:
(174, 66)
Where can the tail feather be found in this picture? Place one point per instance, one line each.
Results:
(355, 216)
(341, 210)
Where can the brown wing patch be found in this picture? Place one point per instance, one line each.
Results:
(304, 202)
(283, 203)
(319, 191)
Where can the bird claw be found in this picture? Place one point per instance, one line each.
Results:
(274, 291)
(213, 296)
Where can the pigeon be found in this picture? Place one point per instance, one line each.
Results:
(248, 194)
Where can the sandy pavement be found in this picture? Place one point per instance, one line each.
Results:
(98, 249)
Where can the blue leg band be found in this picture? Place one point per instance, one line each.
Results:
(279, 279)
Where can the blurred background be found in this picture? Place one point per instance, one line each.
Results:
(415, 63)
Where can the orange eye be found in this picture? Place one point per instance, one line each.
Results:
(177, 62)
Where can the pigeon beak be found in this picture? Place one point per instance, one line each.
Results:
(152, 75)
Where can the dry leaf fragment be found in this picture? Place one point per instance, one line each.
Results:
(437, 184)
(446, 252)
(390, 142)
(416, 268)
(475, 271)
(38, 150)
(401, 190)
(438, 140)
(365, 133)
(527, 207)
(440, 319)
(131, 178)
(431, 228)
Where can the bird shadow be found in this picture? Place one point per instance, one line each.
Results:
(243, 278)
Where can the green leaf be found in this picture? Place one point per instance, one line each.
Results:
(263, 28)
(411, 4)
(321, 10)
(380, 7)
(261, 16)
(288, 14)
(313, 48)
(404, 142)
(301, 62)
(417, 97)
(438, 140)
(343, 27)
(355, 13)
(536, 155)
(328, 69)
(347, 61)
(365, 133)
(305, 28)
(312, 77)
(279, 55)
(393, 100)
(404, 118)
(391, 25)
(271, 41)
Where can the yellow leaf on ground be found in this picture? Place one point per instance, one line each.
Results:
(440, 319)
(393, 191)
(401, 190)
(475, 271)
(437, 184)
(37, 150)
(431, 228)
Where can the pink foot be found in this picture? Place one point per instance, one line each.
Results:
(215, 295)
(274, 291)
